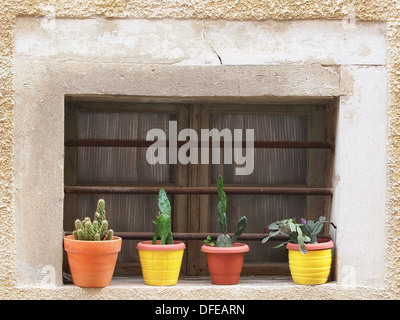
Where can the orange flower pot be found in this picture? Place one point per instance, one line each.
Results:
(225, 263)
(92, 263)
(161, 263)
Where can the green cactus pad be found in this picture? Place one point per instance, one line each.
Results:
(163, 223)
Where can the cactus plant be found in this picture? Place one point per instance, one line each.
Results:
(163, 223)
(224, 240)
(96, 230)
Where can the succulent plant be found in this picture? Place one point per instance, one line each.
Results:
(305, 232)
(163, 223)
(224, 240)
(96, 231)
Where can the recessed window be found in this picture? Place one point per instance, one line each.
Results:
(106, 157)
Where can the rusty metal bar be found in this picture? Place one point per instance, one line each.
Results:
(199, 236)
(198, 190)
(145, 144)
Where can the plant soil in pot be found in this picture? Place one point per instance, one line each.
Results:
(92, 250)
(225, 258)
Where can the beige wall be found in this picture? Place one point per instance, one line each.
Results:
(16, 76)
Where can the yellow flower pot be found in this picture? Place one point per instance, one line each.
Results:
(313, 267)
(161, 264)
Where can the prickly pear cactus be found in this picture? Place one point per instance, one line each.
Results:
(96, 231)
(224, 240)
(239, 228)
(221, 209)
(163, 223)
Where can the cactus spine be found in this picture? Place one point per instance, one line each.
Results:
(96, 231)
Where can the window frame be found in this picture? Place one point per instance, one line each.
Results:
(197, 222)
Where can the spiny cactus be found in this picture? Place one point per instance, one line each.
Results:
(96, 231)
(224, 240)
(163, 223)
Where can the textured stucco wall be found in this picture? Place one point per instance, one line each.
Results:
(388, 11)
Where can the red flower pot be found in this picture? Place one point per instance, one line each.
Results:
(225, 263)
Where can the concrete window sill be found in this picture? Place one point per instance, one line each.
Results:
(201, 288)
(204, 281)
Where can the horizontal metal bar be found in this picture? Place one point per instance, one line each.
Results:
(199, 236)
(198, 190)
(188, 236)
(145, 144)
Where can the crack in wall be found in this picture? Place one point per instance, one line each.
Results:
(209, 44)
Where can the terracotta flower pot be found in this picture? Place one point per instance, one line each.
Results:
(313, 267)
(92, 263)
(161, 263)
(225, 263)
